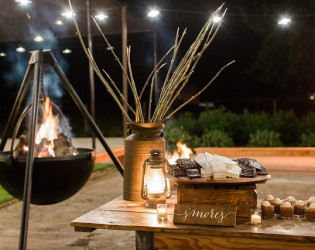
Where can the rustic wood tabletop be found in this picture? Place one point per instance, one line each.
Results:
(119, 214)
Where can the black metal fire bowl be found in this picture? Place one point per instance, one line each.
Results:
(55, 179)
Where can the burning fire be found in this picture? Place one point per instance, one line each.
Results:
(182, 152)
(47, 131)
(51, 138)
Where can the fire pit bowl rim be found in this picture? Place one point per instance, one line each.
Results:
(83, 154)
(54, 179)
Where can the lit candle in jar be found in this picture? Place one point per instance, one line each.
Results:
(255, 216)
(162, 211)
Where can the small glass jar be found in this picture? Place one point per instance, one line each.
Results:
(268, 211)
(310, 213)
(255, 216)
(161, 211)
(286, 212)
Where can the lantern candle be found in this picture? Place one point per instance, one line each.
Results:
(155, 186)
(255, 216)
(162, 211)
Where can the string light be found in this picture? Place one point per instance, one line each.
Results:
(66, 51)
(68, 14)
(2, 54)
(284, 21)
(101, 16)
(23, 2)
(217, 19)
(153, 13)
(38, 39)
(59, 22)
(20, 49)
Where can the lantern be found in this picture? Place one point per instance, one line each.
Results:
(155, 186)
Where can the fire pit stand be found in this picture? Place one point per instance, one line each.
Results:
(38, 58)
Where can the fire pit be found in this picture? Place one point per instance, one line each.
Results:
(60, 170)
(54, 178)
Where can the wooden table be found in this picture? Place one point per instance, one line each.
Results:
(150, 233)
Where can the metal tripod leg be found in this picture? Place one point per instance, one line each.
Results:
(30, 153)
(17, 105)
(85, 113)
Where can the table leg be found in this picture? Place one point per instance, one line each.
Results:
(144, 240)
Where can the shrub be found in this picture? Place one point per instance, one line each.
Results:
(308, 123)
(175, 134)
(265, 138)
(220, 119)
(188, 122)
(213, 120)
(287, 124)
(307, 139)
(251, 123)
(216, 138)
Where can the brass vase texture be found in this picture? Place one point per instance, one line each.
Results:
(143, 138)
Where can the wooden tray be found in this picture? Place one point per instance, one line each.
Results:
(226, 181)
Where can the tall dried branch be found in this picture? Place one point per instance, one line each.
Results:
(204, 88)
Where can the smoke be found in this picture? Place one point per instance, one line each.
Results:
(40, 24)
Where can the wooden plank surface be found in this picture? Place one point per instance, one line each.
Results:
(141, 219)
(121, 205)
(226, 181)
(177, 241)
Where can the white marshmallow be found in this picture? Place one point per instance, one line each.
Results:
(311, 199)
(278, 201)
(204, 161)
(300, 203)
(286, 204)
(217, 167)
(219, 175)
(234, 172)
(269, 197)
(265, 203)
(290, 199)
(312, 205)
(204, 174)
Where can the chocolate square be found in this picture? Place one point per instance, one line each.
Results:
(193, 173)
(185, 163)
(179, 172)
(247, 171)
(262, 171)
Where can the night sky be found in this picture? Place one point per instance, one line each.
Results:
(248, 27)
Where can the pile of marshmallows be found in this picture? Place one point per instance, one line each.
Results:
(217, 166)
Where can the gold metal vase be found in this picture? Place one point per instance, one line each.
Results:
(144, 137)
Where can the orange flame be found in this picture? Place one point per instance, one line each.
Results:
(182, 152)
(48, 128)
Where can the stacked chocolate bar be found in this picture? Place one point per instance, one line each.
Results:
(251, 167)
(184, 167)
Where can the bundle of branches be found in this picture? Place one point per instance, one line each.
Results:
(173, 83)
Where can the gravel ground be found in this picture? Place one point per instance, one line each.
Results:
(49, 225)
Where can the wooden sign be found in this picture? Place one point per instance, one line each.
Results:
(204, 214)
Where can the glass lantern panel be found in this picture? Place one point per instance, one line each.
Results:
(155, 180)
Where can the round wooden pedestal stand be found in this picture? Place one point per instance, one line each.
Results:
(239, 192)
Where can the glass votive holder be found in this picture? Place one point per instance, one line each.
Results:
(161, 211)
(255, 216)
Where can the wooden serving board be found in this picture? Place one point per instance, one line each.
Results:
(226, 181)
